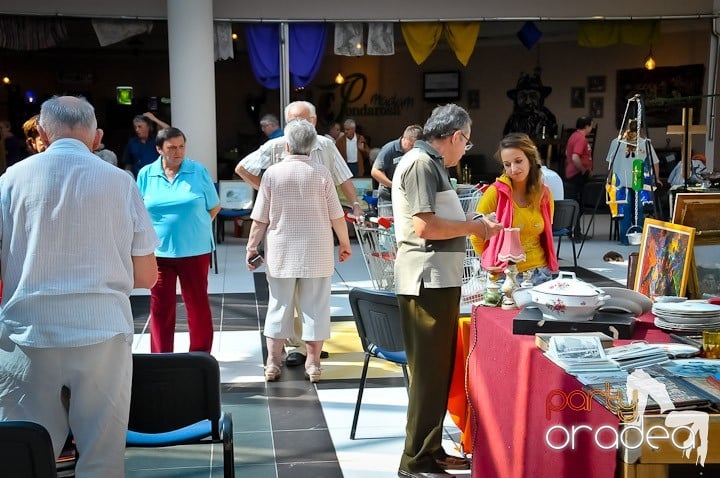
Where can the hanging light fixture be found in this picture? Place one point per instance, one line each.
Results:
(649, 61)
(339, 79)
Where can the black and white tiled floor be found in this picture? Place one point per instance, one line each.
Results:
(292, 428)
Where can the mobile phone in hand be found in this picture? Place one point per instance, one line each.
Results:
(256, 260)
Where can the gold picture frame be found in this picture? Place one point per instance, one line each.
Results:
(699, 210)
(664, 260)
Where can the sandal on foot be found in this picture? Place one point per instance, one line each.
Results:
(272, 373)
(312, 373)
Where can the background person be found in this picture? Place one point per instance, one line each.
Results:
(73, 247)
(15, 150)
(140, 150)
(270, 126)
(554, 182)
(519, 198)
(353, 148)
(430, 227)
(33, 141)
(293, 277)
(388, 157)
(181, 198)
(578, 164)
(334, 131)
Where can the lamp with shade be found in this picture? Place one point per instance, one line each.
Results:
(511, 251)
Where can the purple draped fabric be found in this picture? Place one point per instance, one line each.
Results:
(307, 47)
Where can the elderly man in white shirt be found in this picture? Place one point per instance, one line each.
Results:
(323, 152)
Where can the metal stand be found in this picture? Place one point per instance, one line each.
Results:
(648, 163)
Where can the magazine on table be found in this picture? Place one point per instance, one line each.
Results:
(579, 353)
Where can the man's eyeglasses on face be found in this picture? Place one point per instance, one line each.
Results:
(468, 145)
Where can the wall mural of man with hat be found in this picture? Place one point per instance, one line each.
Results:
(529, 114)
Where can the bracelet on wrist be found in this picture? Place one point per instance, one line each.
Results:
(356, 203)
(252, 249)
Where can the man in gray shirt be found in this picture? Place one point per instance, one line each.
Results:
(430, 228)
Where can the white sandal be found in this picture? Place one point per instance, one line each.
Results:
(272, 373)
(312, 373)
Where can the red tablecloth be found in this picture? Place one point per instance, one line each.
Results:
(509, 383)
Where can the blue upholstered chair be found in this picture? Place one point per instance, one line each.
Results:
(377, 318)
(176, 401)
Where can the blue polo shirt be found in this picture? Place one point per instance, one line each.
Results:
(138, 154)
(179, 209)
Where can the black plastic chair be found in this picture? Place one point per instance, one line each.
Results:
(176, 401)
(564, 220)
(26, 451)
(377, 317)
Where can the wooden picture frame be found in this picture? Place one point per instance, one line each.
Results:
(577, 97)
(596, 84)
(236, 194)
(699, 210)
(664, 259)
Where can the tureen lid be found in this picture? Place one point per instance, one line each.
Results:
(567, 284)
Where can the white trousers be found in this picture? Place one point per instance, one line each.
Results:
(86, 389)
(313, 303)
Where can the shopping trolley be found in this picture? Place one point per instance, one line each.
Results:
(376, 237)
(474, 276)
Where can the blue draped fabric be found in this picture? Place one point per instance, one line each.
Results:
(263, 44)
(307, 46)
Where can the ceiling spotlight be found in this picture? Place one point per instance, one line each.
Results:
(6, 80)
(339, 79)
(234, 36)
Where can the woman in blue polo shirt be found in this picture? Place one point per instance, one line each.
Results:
(182, 201)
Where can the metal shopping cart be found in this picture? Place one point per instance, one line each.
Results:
(376, 237)
(474, 277)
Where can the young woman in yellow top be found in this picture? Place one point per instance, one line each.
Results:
(520, 199)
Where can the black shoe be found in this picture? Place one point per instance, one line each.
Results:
(423, 474)
(294, 359)
(324, 354)
(450, 462)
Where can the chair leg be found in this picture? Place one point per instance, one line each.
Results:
(214, 259)
(407, 379)
(557, 253)
(363, 378)
(572, 241)
(228, 446)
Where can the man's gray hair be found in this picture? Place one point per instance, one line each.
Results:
(300, 136)
(269, 119)
(305, 104)
(445, 120)
(61, 114)
(350, 123)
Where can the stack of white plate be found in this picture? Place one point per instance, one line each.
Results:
(689, 315)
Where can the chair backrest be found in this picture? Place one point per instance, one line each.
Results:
(26, 451)
(377, 317)
(593, 195)
(174, 390)
(565, 215)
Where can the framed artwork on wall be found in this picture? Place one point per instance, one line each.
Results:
(597, 107)
(596, 84)
(577, 97)
(664, 259)
(443, 85)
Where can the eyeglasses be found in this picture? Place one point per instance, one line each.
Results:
(468, 145)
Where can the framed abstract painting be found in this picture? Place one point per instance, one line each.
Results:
(664, 259)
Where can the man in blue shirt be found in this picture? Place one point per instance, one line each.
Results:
(390, 154)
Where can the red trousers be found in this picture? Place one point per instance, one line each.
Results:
(193, 274)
